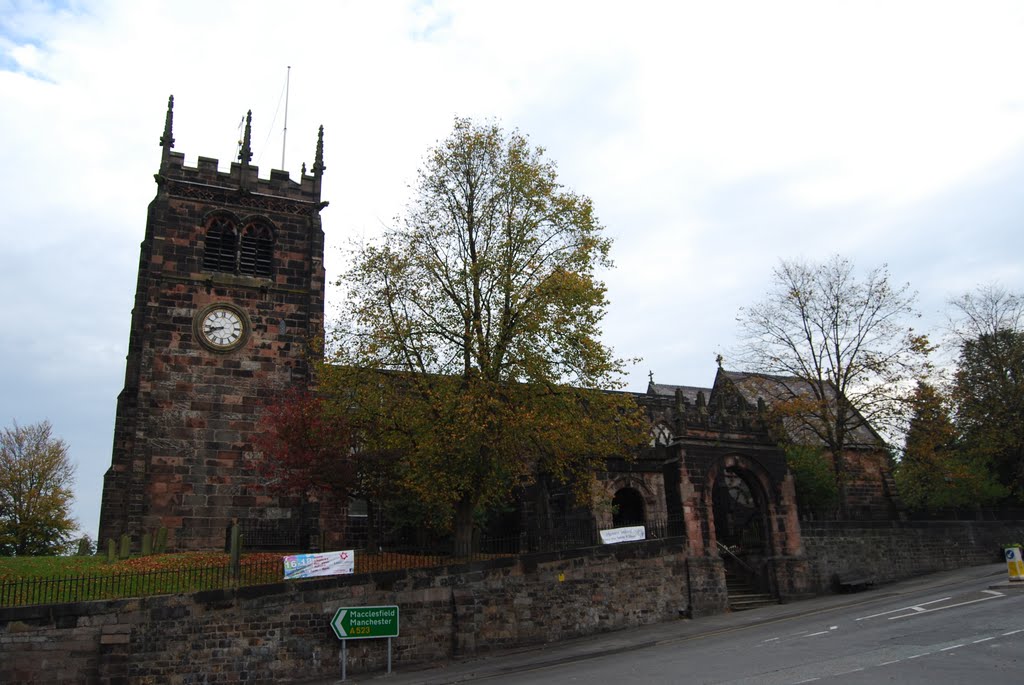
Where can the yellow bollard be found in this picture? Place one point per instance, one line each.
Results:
(1014, 563)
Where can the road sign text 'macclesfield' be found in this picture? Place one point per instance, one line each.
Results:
(364, 622)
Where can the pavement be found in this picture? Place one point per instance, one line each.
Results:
(508, 662)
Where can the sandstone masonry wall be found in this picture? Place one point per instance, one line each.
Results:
(281, 633)
(892, 550)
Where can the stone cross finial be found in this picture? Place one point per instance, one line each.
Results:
(650, 376)
(719, 358)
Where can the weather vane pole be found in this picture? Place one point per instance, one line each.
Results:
(284, 138)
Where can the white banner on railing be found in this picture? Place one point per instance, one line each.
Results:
(629, 534)
(325, 564)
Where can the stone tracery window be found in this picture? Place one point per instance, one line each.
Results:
(660, 435)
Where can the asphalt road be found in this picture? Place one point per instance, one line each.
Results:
(961, 626)
(961, 634)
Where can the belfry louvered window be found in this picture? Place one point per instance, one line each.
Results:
(256, 252)
(249, 254)
(221, 245)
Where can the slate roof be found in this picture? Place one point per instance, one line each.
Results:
(751, 386)
(689, 391)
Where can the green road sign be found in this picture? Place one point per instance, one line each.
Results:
(354, 623)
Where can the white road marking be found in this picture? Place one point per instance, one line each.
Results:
(918, 656)
(993, 592)
(935, 650)
(802, 633)
(915, 606)
(948, 606)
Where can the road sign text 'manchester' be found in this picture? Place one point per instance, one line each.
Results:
(353, 623)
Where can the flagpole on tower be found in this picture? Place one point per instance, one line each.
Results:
(284, 138)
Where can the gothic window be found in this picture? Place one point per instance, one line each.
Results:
(221, 245)
(660, 435)
(256, 252)
(250, 253)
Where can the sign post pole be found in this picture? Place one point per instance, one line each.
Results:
(356, 623)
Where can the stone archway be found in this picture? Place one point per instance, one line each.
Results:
(738, 505)
(628, 508)
(741, 506)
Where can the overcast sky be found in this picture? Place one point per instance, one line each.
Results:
(715, 139)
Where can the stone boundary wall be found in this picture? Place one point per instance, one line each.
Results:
(281, 633)
(894, 550)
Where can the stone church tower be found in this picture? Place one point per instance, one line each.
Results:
(230, 293)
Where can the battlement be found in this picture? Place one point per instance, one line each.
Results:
(243, 176)
(683, 415)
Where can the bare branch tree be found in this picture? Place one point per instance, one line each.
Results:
(986, 311)
(842, 348)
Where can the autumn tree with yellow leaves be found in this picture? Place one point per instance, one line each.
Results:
(470, 342)
(36, 481)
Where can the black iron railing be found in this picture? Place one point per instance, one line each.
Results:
(260, 569)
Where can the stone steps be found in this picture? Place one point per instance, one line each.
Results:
(743, 596)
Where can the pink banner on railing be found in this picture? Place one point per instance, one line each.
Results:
(325, 564)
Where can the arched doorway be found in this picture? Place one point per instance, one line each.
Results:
(738, 509)
(627, 508)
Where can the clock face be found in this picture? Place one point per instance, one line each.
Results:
(221, 327)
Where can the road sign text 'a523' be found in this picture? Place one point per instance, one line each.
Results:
(353, 623)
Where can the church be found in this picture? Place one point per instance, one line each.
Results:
(230, 291)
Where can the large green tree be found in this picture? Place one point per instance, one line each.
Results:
(988, 386)
(846, 340)
(36, 479)
(470, 344)
(934, 473)
(989, 392)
